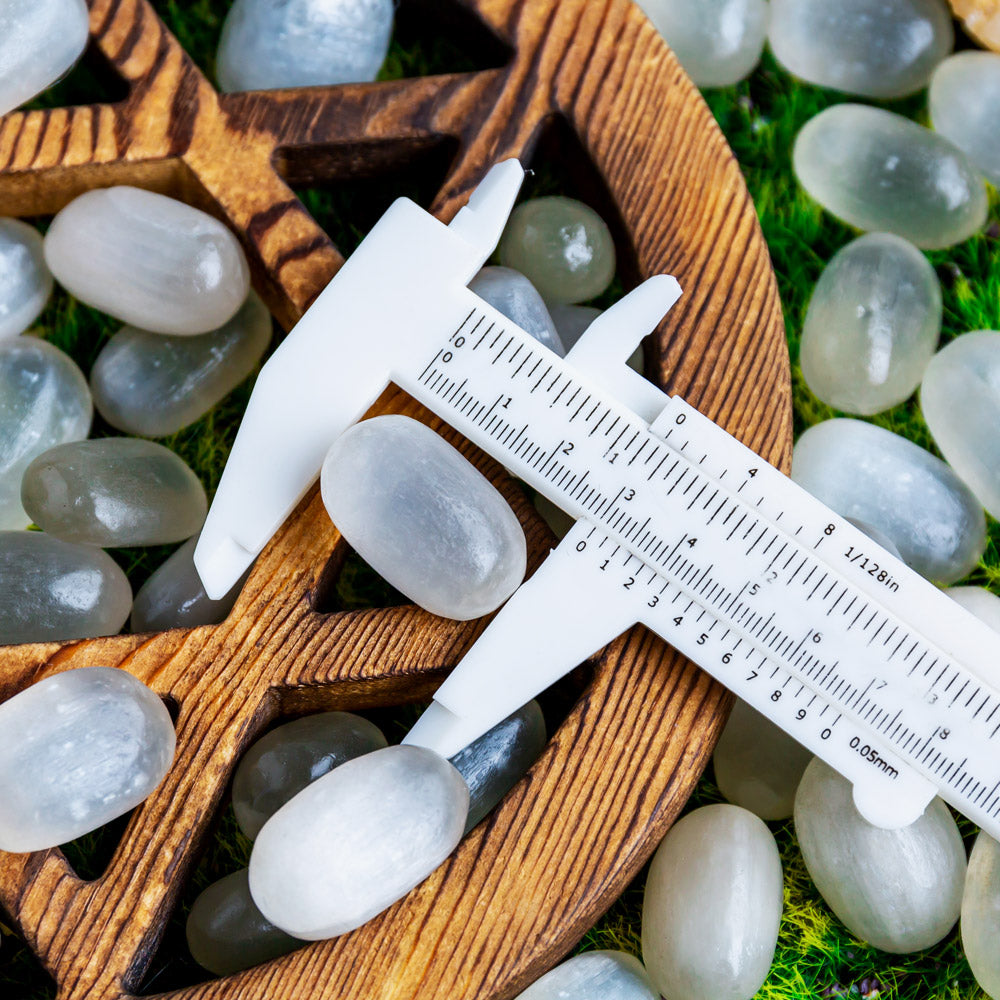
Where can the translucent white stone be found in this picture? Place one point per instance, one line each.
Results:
(865, 472)
(876, 536)
(594, 975)
(149, 260)
(980, 602)
(965, 107)
(712, 906)
(899, 890)
(44, 401)
(960, 397)
(39, 41)
(758, 765)
(25, 280)
(873, 324)
(154, 384)
(510, 293)
(981, 914)
(879, 171)
(563, 246)
(56, 590)
(572, 323)
(280, 764)
(267, 44)
(875, 48)
(114, 491)
(77, 750)
(423, 517)
(718, 42)
(353, 842)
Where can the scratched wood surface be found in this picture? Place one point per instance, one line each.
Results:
(528, 882)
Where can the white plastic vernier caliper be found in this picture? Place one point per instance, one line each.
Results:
(679, 526)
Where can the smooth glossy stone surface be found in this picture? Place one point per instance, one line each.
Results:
(39, 41)
(173, 596)
(56, 590)
(980, 602)
(25, 280)
(154, 384)
(880, 537)
(875, 48)
(563, 246)
(572, 323)
(899, 890)
(423, 517)
(356, 840)
(712, 905)
(510, 293)
(758, 765)
(873, 324)
(868, 473)
(718, 42)
(227, 933)
(302, 43)
(594, 975)
(879, 171)
(960, 398)
(280, 764)
(77, 750)
(149, 260)
(965, 107)
(114, 491)
(496, 762)
(44, 401)
(981, 914)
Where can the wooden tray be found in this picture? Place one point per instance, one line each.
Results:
(528, 882)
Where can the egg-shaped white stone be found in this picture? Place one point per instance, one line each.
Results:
(981, 914)
(594, 975)
(510, 293)
(980, 602)
(25, 280)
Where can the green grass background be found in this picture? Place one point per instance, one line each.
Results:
(816, 957)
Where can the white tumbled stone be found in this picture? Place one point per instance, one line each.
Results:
(423, 517)
(900, 890)
(980, 925)
(877, 170)
(712, 906)
(25, 280)
(980, 602)
(874, 48)
(267, 44)
(512, 294)
(872, 325)
(594, 975)
(44, 401)
(872, 475)
(77, 750)
(148, 260)
(356, 840)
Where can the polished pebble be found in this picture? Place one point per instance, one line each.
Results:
(960, 399)
(423, 517)
(77, 750)
(267, 44)
(356, 840)
(510, 293)
(899, 890)
(879, 171)
(226, 933)
(25, 280)
(980, 925)
(872, 326)
(757, 764)
(113, 492)
(493, 764)
(879, 537)
(712, 905)
(563, 246)
(868, 473)
(594, 975)
(980, 602)
(964, 102)
(874, 48)
(572, 322)
(56, 590)
(279, 765)
(718, 42)
(148, 260)
(44, 401)
(154, 384)
(40, 40)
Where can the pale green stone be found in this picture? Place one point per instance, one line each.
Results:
(25, 280)
(981, 914)
(594, 975)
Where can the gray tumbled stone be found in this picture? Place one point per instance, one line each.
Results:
(77, 750)
(25, 280)
(594, 975)
(879, 171)
(510, 293)
(112, 492)
(572, 323)
(880, 537)
(981, 914)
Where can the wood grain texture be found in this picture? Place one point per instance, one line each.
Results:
(981, 19)
(529, 881)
